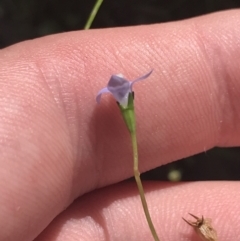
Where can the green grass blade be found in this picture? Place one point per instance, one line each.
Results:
(93, 14)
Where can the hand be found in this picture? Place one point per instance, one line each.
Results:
(57, 144)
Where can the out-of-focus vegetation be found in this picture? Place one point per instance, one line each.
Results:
(26, 19)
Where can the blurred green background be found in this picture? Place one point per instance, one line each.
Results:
(27, 19)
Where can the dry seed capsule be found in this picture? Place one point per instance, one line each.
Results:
(203, 228)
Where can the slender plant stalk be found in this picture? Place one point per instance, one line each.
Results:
(93, 14)
(128, 114)
(140, 186)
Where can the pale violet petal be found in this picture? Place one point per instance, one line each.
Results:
(140, 78)
(119, 87)
(102, 91)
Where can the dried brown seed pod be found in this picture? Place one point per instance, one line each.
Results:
(203, 228)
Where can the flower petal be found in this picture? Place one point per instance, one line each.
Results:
(140, 78)
(102, 91)
(119, 87)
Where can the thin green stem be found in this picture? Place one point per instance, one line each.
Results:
(93, 14)
(129, 118)
(140, 186)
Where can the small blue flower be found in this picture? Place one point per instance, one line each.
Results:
(120, 88)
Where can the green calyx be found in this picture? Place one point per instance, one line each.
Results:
(129, 114)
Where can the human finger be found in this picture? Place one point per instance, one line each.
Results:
(56, 144)
(115, 213)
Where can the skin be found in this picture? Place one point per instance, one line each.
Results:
(57, 145)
